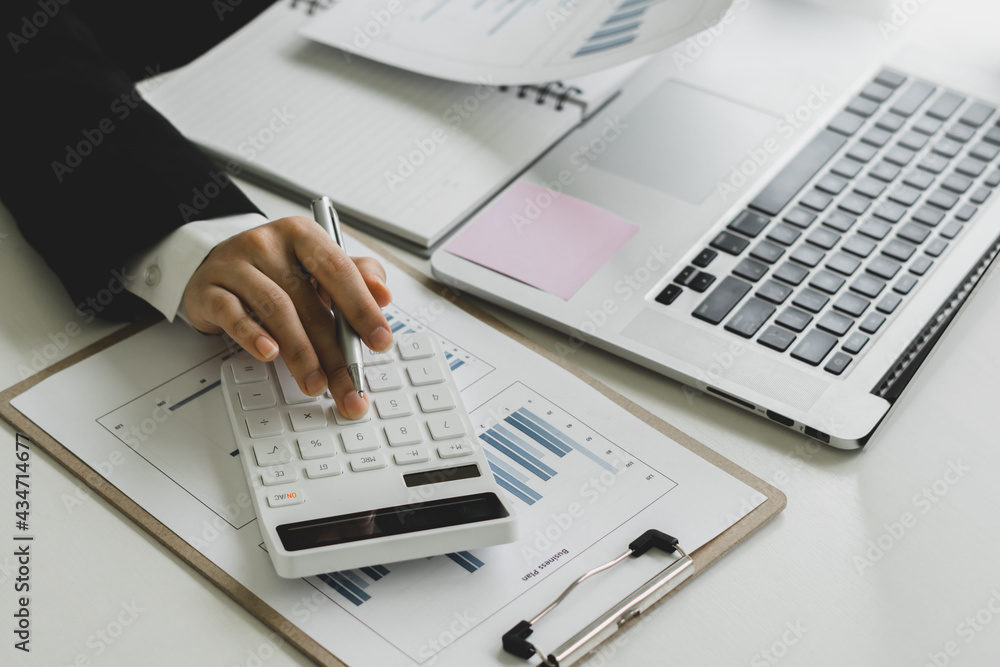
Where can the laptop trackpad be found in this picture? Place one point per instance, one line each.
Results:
(685, 142)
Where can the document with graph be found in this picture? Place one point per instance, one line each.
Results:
(510, 41)
(586, 476)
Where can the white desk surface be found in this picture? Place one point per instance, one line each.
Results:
(836, 579)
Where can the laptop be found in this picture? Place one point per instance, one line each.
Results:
(807, 210)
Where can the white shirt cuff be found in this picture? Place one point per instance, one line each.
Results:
(160, 274)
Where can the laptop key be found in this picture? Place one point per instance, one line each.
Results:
(839, 221)
(729, 243)
(920, 180)
(872, 323)
(838, 364)
(855, 343)
(869, 187)
(889, 303)
(912, 98)
(825, 281)
(859, 245)
(794, 319)
(979, 196)
(966, 212)
(721, 300)
(876, 92)
(868, 286)
(876, 137)
(905, 195)
(810, 300)
(914, 233)
(816, 200)
(936, 247)
(898, 250)
(776, 338)
(945, 105)
(686, 273)
(862, 152)
(970, 166)
(701, 281)
(783, 234)
(960, 133)
(855, 204)
(905, 284)
(862, 107)
(835, 323)
(847, 123)
(774, 292)
(844, 264)
(814, 347)
(831, 184)
(899, 156)
(750, 318)
(957, 183)
(993, 179)
(669, 294)
(704, 258)
(942, 199)
(889, 212)
(927, 125)
(993, 136)
(921, 265)
(749, 223)
(888, 77)
(883, 268)
(807, 256)
(846, 168)
(977, 114)
(790, 273)
(790, 180)
(933, 163)
(823, 238)
(890, 122)
(884, 171)
(875, 229)
(851, 304)
(767, 252)
(750, 269)
(984, 151)
(799, 217)
(951, 230)
(929, 215)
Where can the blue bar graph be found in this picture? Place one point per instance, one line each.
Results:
(351, 585)
(466, 560)
(518, 449)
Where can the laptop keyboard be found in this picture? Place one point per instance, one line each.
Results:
(830, 249)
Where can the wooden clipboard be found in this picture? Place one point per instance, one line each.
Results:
(703, 557)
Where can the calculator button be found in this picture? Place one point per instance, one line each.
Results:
(344, 421)
(435, 400)
(372, 358)
(415, 346)
(384, 378)
(318, 469)
(393, 405)
(279, 475)
(448, 425)
(289, 387)
(264, 424)
(412, 455)
(247, 371)
(307, 418)
(284, 498)
(425, 373)
(271, 453)
(257, 396)
(455, 449)
(360, 439)
(402, 433)
(368, 462)
(317, 446)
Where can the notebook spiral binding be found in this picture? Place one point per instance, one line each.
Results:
(556, 90)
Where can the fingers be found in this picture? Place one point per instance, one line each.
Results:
(233, 318)
(341, 278)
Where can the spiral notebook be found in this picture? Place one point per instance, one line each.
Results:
(406, 156)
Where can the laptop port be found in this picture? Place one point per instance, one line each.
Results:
(781, 419)
(819, 435)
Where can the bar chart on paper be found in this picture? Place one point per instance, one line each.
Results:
(565, 477)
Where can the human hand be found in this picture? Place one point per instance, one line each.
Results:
(253, 287)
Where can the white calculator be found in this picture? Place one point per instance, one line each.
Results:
(408, 481)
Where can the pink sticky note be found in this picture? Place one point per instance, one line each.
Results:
(552, 241)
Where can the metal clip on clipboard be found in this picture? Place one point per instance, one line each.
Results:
(515, 640)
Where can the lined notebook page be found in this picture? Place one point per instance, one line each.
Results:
(408, 154)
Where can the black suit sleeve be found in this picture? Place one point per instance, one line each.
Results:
(93, 174)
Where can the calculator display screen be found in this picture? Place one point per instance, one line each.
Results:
(391, 521)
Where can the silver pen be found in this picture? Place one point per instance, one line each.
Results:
(350, 344)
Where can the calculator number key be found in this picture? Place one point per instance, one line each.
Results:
(415, 346)
(359, 439)
(446, 426)
(279, 475)
(425, 373)
(271, 453)
(317, 446)
(393, 405)
(264, 424)
(435, 400)
(344, 421)
(400, 434)
(384, 378)
(368, 462)
(412, 455)
(284, 498)
(318, 469)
